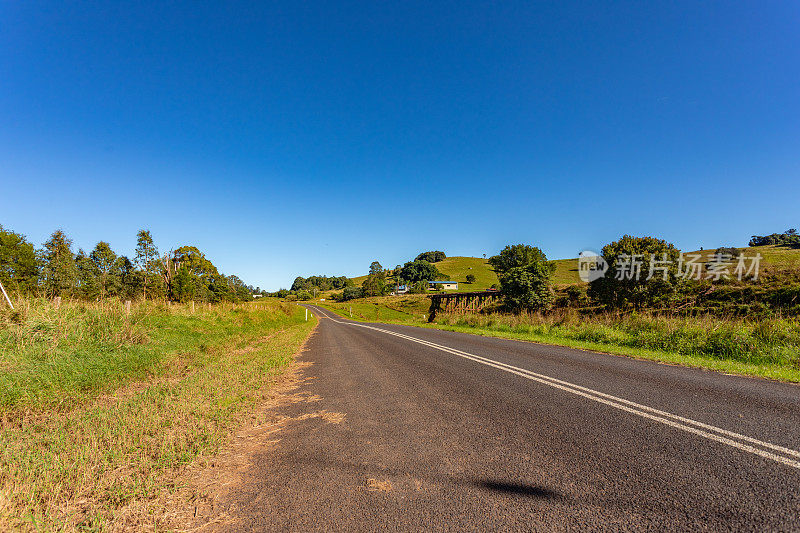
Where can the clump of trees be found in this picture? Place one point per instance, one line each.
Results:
(470, 278)
(56, 270)
(351, 293)
(789, 237)
(431, 257)
(643, 272)
(322, 283)
(525, 277)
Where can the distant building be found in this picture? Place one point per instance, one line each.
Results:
(257, 295)
(444, 285)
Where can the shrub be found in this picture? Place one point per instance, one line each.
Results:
(626, 284)
(470, 278)
(351, 293)
(727, 251)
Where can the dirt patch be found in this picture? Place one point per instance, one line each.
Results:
(373, 485)
(197, 499)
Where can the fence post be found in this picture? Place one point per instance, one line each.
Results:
(57, 301)
(192, 306)
(7, 298)
(128, 307)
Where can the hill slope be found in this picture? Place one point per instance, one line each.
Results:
(775, 259)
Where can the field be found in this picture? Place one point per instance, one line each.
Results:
(100, 408)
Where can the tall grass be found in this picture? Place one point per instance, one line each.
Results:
(766, 341)
(98, 406)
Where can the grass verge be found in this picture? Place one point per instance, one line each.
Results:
(98, 407)
(768, 348)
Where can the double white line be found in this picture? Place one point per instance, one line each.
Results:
(763, 449)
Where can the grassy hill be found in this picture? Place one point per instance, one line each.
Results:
(775, 260)
(457, 269)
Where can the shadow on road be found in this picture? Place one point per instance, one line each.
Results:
(521, 489)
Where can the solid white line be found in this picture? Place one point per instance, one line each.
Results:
(708, 431)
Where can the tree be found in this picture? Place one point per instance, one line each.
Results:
(528, 287)
(525, 277)
(146, 259)
(375, 284)
(106, 266)
(416, 271)
(183, 285)
(129, 279)
(299, 283)
(787, 238)
(470, 278)
(431, 257)
(88, 285)
(621, 287)
(304, 295)
(514, 256)
(351, 293)
(18, 267)
(59, 271)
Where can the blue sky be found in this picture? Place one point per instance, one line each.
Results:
(311, 138)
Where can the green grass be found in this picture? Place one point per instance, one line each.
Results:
(401, 309)
(767, 348)
(100, 408)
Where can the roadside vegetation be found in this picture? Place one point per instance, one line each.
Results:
(99, 408)
(678, 315)
(56, 270)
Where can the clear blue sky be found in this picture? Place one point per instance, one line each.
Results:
(311, 138)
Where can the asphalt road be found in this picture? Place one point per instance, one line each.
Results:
(436, 430)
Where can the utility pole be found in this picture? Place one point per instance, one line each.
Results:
(6, 295)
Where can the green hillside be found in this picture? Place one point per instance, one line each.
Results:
(775, 260)
(457, 269)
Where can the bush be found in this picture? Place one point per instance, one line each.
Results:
(727, 251)
(626, 286)
(303, 295)
(470, 278)
(351, 293)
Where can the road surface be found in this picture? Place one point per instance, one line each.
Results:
(442, 431)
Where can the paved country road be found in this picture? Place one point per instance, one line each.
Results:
(448, 431)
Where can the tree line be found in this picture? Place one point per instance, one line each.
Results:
(56, 270)
(789, 237)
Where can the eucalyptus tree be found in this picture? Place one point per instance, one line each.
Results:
(59, 271)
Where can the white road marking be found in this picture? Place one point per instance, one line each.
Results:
(701, 429)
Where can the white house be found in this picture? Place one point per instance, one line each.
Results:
(444, 285)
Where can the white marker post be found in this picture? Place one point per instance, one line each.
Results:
(6, 295)
(306, 314)
(351, 311)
